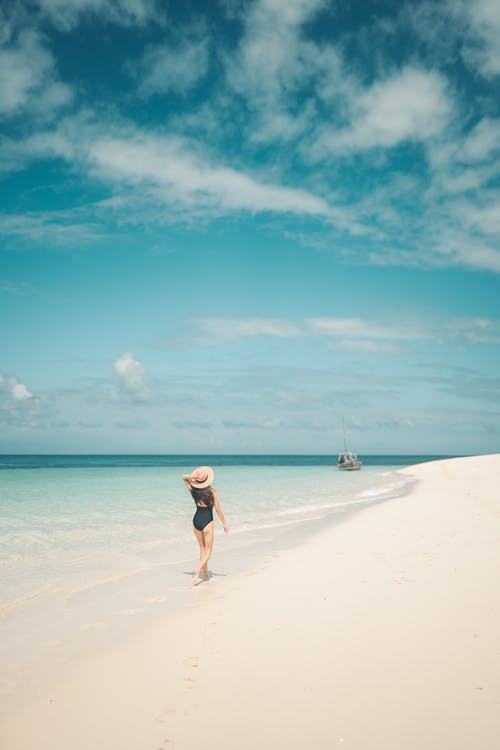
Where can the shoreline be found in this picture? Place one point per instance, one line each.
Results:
(42, 637)
(381, 631)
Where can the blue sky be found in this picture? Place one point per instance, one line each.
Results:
(226, 224)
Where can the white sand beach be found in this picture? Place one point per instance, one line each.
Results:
(380, 633)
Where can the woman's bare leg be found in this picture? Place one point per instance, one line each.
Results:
(201, 541)
(208, 535)
(208, 539)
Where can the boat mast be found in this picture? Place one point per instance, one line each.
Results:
(346, 448)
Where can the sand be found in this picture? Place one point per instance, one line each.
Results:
(381, 632)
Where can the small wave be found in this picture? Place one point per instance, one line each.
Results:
(249, 528)
(373, 493)
(30, 596)
(305, 509)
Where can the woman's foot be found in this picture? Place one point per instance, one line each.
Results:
(206, 577)
(196, 577)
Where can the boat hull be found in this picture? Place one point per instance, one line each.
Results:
(349, 467)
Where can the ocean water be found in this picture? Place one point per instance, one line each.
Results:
(86, 541)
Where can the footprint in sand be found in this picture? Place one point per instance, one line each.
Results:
(168, 712)
(129, 612)
(156, 599)
(191, 661)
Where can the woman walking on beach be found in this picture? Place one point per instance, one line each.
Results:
(205, 498)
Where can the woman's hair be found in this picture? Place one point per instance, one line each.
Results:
(203, 495)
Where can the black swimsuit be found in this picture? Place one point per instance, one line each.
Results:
(202, 517)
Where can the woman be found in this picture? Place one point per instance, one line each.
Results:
(205, 497)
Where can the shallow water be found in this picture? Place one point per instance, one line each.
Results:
(90, 541)
(65, 528)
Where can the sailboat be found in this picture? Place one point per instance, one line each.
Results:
(348, 460)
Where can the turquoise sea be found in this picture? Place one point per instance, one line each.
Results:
(87, 541)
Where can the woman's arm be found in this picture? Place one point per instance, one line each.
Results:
(219, 511)
(185, 478)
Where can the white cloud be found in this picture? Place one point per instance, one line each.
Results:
(473, 330)
(280, 85)
(267, 59)
(272, 63)
(482, 46)
(483, 217)
(224, 329)
(132, 376)
(28, 77)
(20, 392)
(482, 141)
(262, 424)
(356, 328)
(287, 79)
(172, 68)
(443, 249)
(66, 14)
(410, 105)
(452, 29)
(349, 333)
(377, 347)
(466, 162)
(166, 170)
(456, 246)
(56, 228)
(178, 175)
(219, 329)
(455, 179)
(13, 389)
(16, 154)
(163, 176)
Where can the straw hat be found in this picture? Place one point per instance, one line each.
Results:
(202, 477)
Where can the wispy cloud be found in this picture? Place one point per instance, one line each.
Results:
(482, 141)
(264, 424)
(357, 328)
(169, 170)
(361, 345)
(176, 66)
(28, 77)
(456, 30)
(349, 333)
(57, 228)
(343, 330)
(219, 329)
(482, 46)
(66, 14)
(180, 176)
(16, 288)
(278, 103)
(131, 424)
(473, 330)
(271, 64)
(192, 424)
